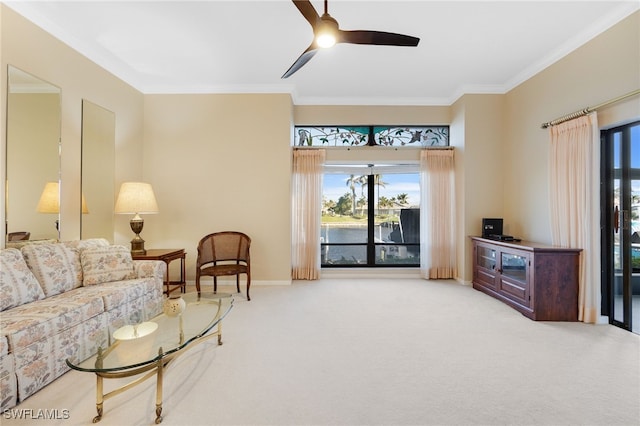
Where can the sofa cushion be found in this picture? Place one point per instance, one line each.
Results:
(18, 285)
(26, 324)
(56, 266)
(106, 264)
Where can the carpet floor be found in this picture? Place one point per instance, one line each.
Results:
(377, 352)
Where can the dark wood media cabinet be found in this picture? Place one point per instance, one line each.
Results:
(540, 281)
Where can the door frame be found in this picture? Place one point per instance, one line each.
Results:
(608, 219)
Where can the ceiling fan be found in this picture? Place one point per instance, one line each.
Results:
(327, 33)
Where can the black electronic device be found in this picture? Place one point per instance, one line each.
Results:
(491, 226)
(501, 237)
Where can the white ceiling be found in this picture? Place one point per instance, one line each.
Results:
(245, 46)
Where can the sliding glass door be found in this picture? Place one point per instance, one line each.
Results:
(621, 226)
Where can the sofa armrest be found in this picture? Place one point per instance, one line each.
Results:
(150, 269)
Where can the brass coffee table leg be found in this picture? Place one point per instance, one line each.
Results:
(99, 388)
(99, 399)
(160, 368)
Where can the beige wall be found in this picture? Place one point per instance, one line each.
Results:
(605, 68)
(477, 134)
(31, 49)
(223, 161)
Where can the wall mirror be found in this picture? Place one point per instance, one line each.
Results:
(33, 157)
(98, 176)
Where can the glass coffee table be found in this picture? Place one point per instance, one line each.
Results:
(150, 346)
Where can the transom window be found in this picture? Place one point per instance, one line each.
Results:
(390, 136)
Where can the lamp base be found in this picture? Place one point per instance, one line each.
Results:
(137, 245)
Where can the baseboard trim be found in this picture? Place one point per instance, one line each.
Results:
(370, 273)
(232, 282)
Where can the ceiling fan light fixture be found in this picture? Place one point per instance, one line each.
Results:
(326, 34)
(326, 40)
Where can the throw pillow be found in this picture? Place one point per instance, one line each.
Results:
(106, 264)
(56, 267)
(18, 285)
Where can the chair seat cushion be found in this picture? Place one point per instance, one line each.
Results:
(219, 270)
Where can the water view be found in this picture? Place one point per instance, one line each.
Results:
(391, 253)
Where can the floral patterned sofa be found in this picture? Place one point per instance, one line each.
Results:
(63, 300)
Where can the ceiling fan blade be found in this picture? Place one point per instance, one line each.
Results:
(306, 8)
(376, 38)
(302, 59)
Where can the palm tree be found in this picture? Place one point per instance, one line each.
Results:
(351, 183)
(403, 199)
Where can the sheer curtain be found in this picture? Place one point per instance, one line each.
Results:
(575, 212)
(437, 214)
(306, 207)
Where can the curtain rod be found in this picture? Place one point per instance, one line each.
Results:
(587, 110)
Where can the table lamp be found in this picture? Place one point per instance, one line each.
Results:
(136, 198)
(50, 201)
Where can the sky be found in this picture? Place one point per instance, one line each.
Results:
(335, 186)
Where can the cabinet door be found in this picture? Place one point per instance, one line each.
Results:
(514, 276)
(486, 261)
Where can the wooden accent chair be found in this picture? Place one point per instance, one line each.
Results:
(224, 253)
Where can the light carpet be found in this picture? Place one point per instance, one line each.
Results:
(378, 352)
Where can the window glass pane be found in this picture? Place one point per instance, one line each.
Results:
(395, 215)
(344, 255)
(397, 218)
(344, 202)
(616, 150)
(413, 136)
(396, 195)
(635, 151)
(344, 220)
(331, 136)
(390, 136)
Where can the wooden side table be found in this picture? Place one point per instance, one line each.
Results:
(167, 256)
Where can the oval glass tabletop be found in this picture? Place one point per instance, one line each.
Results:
(137, 345)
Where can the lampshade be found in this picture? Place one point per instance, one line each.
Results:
(136, 197)
(50, 199)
